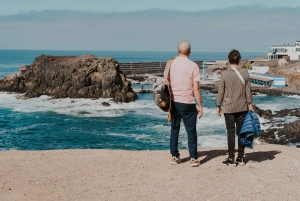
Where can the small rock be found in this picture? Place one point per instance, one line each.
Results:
(105, 104)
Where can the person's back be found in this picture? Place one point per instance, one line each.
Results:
(183, 74)
(234, 95)
(184, 81)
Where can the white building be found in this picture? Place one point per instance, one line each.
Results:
(280, 51)
(259, 69)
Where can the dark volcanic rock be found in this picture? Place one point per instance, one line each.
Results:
(68, 76)
(269, 135)
(212, 88)
(288, 112)
(290, 133)
(262, 113)
(267, 91)
(280, 132)
(105, 104)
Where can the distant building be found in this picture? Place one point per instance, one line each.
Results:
(275, 81)
(290, 52)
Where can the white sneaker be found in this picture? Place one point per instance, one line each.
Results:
(175, 160)
(194, 162)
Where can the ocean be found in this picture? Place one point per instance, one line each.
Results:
(46, 124)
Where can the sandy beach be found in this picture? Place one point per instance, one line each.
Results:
(272, 172)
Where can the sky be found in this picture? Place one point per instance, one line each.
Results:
(156, 25)
(9, 7)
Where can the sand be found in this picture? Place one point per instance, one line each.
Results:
(272, 172)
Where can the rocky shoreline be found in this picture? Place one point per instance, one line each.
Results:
(213, 88)
(87, 76)
(278, 131)
(83, 76)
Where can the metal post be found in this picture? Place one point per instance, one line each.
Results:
(203, 70)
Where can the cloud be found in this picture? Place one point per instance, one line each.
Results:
(248, 28)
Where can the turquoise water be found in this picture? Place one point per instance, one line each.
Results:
(45, 124)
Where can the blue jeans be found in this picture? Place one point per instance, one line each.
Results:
(188, 113)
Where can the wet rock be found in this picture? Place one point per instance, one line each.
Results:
(106, 104)
(279, 132)
(32, 94)
(267, 91)
(288, 112)
(290, 133)
(262, 113)
(269, 135)
(212, 88)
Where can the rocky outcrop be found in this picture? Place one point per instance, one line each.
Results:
(68, 76)
(267, 114)
(279, 131)
(290, 133)
(287, 112)
(269, 91)
(212, 88)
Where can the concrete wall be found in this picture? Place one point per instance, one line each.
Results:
(141, 68)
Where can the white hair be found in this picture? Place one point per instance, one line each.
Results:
(184, 47)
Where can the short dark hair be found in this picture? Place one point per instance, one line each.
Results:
(234, 57)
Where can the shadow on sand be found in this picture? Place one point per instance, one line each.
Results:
(261, 156)
(254, 156)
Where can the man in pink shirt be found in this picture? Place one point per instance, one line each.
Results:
(184, 81)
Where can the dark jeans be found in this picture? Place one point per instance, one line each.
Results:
(188, 113)
(234, 122)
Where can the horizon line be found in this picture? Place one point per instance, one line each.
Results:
(125, 50)
(149, 9)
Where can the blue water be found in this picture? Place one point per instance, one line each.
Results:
(45, 124)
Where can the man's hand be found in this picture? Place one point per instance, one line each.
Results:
(219, 111)
(200, 112)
